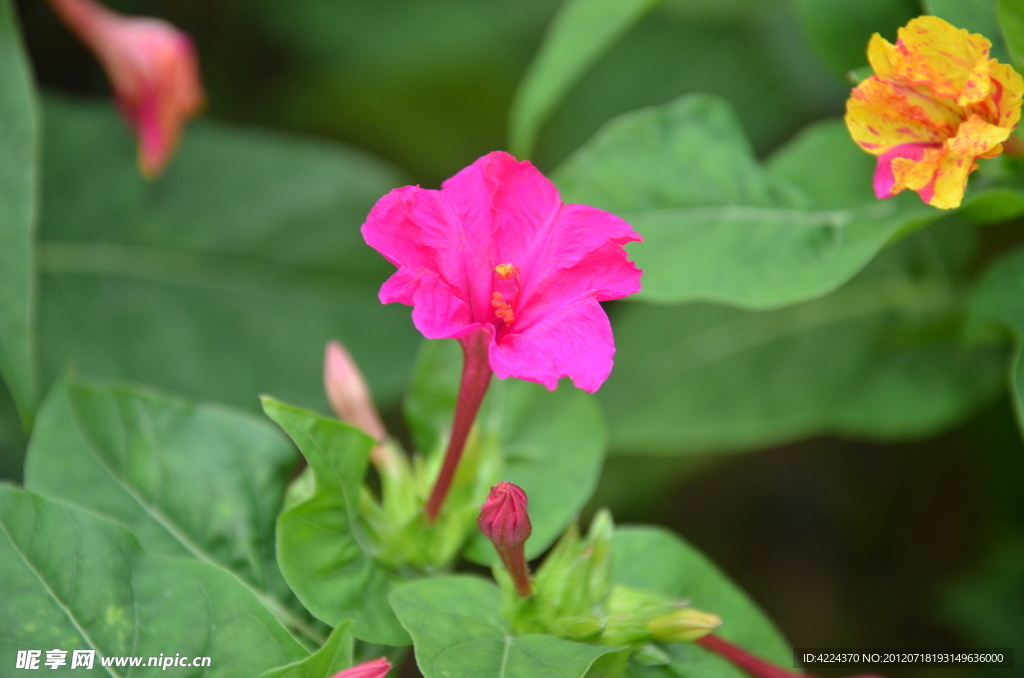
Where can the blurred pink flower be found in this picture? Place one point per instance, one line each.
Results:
(495, 251)
(153, 69)
(378, 668)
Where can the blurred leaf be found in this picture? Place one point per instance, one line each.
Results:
(12, 438)
(334, 656)
(225, 278)
(882, 358)
(192, 481)
(580, 33)
(1011, 20)
(322, 547)
(987, 604)
(719, 227)
(840, 29)
(545, 437)
(458, 630)
(653, 559)
(1000, 299)
(73, 580)
(18, 189)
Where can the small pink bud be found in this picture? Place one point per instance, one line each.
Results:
(152, 68)
(347, 392)
(378, 668)
(503, 518)
(504, 521)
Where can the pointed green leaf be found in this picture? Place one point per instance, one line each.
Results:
(653, 559)
(580, 33)
(18, 193)
(458, 631)
(719, 227)
(882, 358)
(334, 656)
(322, 548)
(546, 438)
(73, 580)
(224, 278)
(194, 481)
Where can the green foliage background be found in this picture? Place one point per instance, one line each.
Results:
(880, 501)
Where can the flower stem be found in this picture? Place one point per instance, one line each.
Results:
(476, 377)
(754, 666)
(515, 562)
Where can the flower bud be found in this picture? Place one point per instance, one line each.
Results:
(152, 68)
(683, 625)
(580, 629)
(378, 668)
(503, 518)
(347, 392)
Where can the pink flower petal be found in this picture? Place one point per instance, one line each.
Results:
(575, 342)
(885, 181)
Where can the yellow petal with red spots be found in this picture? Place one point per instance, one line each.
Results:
(976, 137)
(881, 115)
(935, 53)
(951, 181)
(1007, 92)
(879, 51)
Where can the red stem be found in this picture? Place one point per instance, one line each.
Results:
(476, 377)
(515, 562)
(755, 666)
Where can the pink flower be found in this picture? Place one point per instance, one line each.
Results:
(153, 69)
(378, 668)
(496, 251)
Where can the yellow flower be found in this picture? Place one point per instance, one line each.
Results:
(936, 104)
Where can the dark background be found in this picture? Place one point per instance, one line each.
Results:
(843, 543)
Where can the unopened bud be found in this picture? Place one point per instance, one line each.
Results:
(378, 668)
(152, 68)
(347, 392)
(684, 625)
(503, 518)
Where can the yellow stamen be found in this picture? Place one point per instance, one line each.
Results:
(506, 271)
(502, 309)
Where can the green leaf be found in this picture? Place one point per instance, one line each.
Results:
(458, 631)
(73, 580)
(1011, 20)
(840, 29)
(199, 481)
(882, 358)
(223, 279)
(999, 300)
(719, 227)
(334, 656)
(977, 16)
(580, 33)
(546, 438)
(194, 481)
(322, 548)
(653, 559)
(18, 194)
